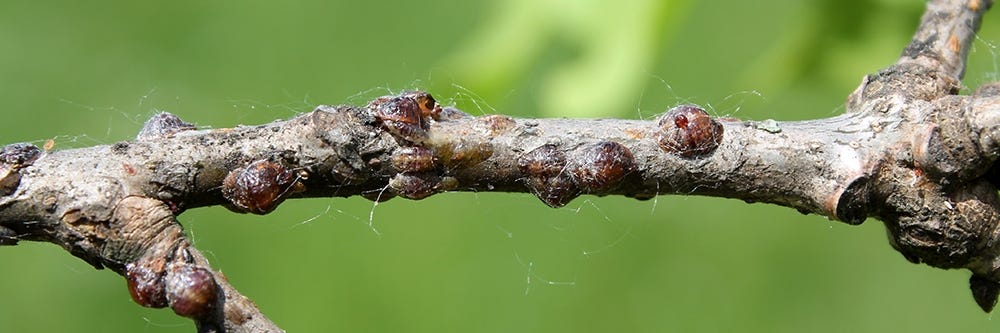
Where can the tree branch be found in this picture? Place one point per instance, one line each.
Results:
(908, 151)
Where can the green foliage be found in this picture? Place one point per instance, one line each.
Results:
(87, 73)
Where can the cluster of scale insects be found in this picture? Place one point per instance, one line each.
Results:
(424, 166)
(188, 289)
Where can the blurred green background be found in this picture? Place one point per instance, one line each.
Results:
(89, 73)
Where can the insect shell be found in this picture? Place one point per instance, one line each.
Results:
(259, 187)
(406, 116)
(543, 168)
(191, 290)
(145, 282)
(602, 166)
(688, 131)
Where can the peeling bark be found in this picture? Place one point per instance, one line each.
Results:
(909, 151)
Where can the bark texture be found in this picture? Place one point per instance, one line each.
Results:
(909, 151)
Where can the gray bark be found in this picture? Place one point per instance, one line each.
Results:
(909, 151)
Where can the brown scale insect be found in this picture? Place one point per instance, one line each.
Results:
(602, 166)
(259, 187)
(413, 159)
(462, 154)
(688, 131)
(145, 282)
(546, 176)
(429, 108)
(191, 290)
(406, 116)
(417, 186)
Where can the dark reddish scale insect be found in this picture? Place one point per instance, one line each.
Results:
(145, 282)
(406, 116)
(259, 187)
(13, 158)
(602, 166)
(417, 186)
(688, 131)
(413, 159)
(162, 124)
(191, 290)
(545, 174)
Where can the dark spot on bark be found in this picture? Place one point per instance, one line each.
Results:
(120, 147)
(917, 48)
(602, 166)
(145, 282)
(19, 154)
(191, 290)
(13, 158)
(259, 187)
(545, 174)
(688, 131)
(853, 204)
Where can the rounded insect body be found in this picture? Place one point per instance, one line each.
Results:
(191, 290)
(406, 116)
(688, 131)
(259, 187)
(145, 282)
(413, 159)
(545, 174)
(429, 107)
(603, 166)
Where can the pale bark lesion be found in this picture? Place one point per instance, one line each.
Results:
(909, 151)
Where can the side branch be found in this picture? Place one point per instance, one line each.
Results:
(909, 151)
(946, 33)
